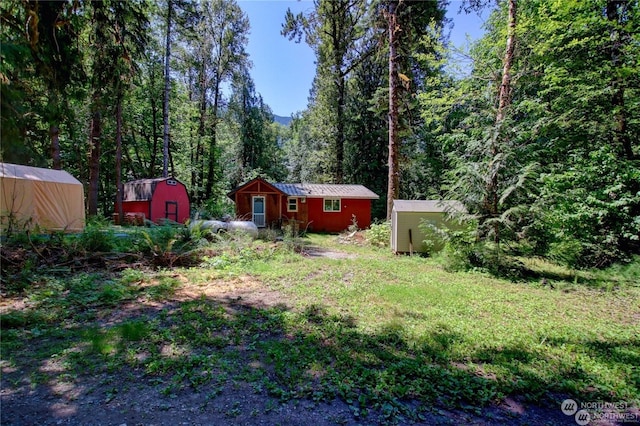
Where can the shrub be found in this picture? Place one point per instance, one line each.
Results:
(172, 245)
(435, 236)
(595, 204)
(566, 252)
(463, 251)
(379, 234)
(97, 237)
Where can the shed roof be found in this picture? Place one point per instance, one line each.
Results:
(428, 206)
(141, 189)
(313, 190)
(16, 171)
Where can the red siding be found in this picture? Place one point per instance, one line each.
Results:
(243, 198)
(300, 217)
(322, 221)
(169, 193)
(309, 213)
(136, 207)
(156, 209)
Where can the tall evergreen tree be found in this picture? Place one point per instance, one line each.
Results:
(214, 57)
(119, 36)
(336, 30)
(40, 54)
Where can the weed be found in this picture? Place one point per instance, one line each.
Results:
(132, 276)
(379, 234)
(134, 331)
(166, 286)
(375, 331)
(97, 237)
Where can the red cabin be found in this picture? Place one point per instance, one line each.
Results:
(316, 207)
(157, 200)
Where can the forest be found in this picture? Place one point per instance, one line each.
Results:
(538, 138)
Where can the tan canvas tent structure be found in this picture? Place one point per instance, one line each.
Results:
(406, 216)
(30, 197)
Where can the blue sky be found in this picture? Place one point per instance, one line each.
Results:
(283, 70)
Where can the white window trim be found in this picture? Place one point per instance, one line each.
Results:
(289, 200)
(262, 223)
(324, 205)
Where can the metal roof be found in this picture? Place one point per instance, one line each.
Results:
(429, 206)
(141, 189)
(314, 190)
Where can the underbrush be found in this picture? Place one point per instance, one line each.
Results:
(28, 258)
(378, 331)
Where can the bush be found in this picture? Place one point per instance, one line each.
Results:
(173, 245)
(565, 252)
(435, 236)
(593, 210)
(379, 234)
(463, 252)
(97, 237)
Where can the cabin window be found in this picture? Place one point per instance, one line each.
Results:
(292, 204)
(171, 182)
(332, 204)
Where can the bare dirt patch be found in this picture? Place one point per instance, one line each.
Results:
(132, 400)
(312, 252)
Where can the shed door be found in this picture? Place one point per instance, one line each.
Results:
(258, 209)
(171, 210)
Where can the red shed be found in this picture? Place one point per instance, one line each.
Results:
(317, 207)
(157, 199)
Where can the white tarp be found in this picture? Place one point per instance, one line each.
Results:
(52, 200)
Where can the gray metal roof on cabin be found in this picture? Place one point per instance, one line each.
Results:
(426, 206)
(314, 190)
(141, 189)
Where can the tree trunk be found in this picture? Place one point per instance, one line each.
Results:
(393, 188)
(504, 101)
(337, 35)
(504, 95)
(212, 144)
(167, 88)
(118, 170)
(154, 136)
(202, 102)
(94, 163)
(620, 133)
(339, 176)
(54, 133)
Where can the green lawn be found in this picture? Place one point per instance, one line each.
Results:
(373, 329)
(502, 336)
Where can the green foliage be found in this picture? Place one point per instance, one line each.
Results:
(435, 236)
(594, 210)
(379, 234)
(174, 244)
(459, 249)
(97, 236)
(390, 330)
(566, 252)
(556, 195)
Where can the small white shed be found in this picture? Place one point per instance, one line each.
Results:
(406, 216)
(52, 200)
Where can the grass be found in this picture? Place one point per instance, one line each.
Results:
(376, 330)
